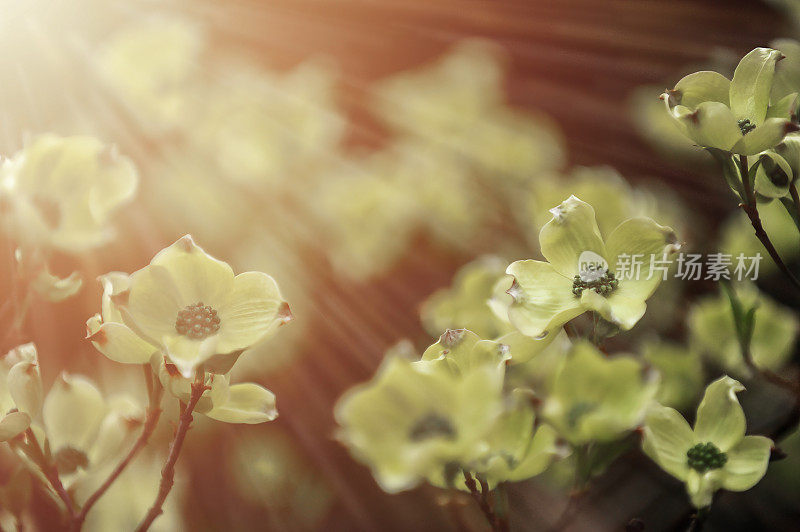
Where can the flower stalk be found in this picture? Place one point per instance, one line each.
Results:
(34, 451)
(749, 207)
(168, 472)
(483, 497)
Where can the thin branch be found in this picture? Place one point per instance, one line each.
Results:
(49, 470)
(482, 498)
(168, 472)
(749, 207)
(153, 415)
(699, 519)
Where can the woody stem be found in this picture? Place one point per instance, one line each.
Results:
(168, 472)
(749, 207)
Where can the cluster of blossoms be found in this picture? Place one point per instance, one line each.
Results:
(156, 318)
(528, 381)
(57, 194)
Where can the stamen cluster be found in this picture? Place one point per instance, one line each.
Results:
(603, 285)
(746, 126)
(197, 321)
(705, 456)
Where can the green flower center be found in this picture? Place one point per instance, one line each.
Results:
(603, 285)
(705, 456)
(432, 426)
(746, 126)
(197, 321)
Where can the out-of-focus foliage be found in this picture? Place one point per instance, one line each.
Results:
(680, 369)
(712, 329)
(269, 473)
(127, 501)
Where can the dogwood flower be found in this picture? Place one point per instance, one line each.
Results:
(191, 307)
(425, 419)
(735, 115)
(713, 455)
(580, 273)
(598, 398)
(62, 191)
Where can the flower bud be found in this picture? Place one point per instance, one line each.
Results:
(25, 387)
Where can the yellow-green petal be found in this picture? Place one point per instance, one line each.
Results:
(747, 463)
(785, 108)
(197, 275)
(25, 387)
(13, 424)
(720, 418)
(543, 298)
(246, 403)
(253, 310)
(702, 486)
(704, 86)
(153, 303)
(765, 136)
(118, 342)
(72, 413)
(752, 83)
(187, 353)
(711, 124)
(667, 438)
(572, 230)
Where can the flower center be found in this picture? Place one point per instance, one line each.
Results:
(705, 456)
(197, 321)
(746, 126)
(603, 285)
(432, 426)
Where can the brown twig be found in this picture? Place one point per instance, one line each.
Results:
(49, 470)
(153, 415)
(699, 518)
(168, 472)
(483, 499)
(750, 208)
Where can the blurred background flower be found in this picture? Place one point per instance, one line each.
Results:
(361, 153)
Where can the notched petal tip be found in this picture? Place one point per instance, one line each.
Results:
(515, 291)
(672, 97)
(284, 314)
(186, 243)
(98, 336)
(452, 337)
